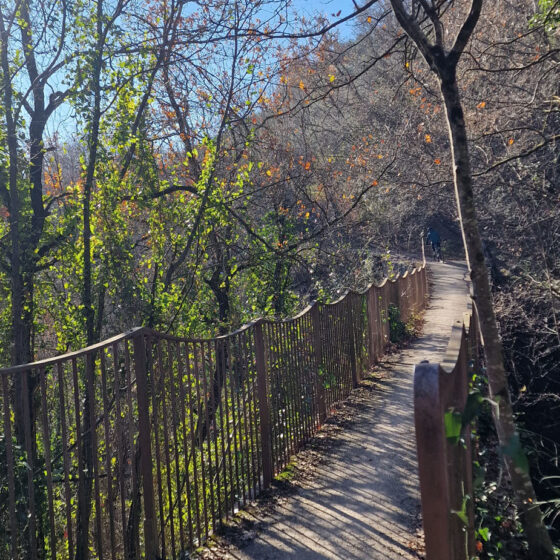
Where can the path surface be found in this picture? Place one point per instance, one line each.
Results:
(364, 503)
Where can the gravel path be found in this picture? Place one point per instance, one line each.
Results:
(364, 502)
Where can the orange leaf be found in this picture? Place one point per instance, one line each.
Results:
(369, 19)
(437, 161)
(307, 166)
(301, 85)
(481, 105)
(428, 138)
(510, 141)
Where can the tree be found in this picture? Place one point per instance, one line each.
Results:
(443, 63)
(26, 79)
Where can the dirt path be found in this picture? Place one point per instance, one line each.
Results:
(364, 501)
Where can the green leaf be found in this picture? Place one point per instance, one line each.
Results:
(462, 513)
(453, 423)
(483, 534)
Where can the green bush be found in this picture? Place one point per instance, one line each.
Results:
(398, 331)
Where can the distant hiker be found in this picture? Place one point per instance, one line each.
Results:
(434, 239)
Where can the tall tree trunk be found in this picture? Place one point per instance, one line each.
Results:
(219, 283)
(24, 238)
(444, 66)
(85, 490)
(93, 143)
(537, 535)
(21, 333)
(539, 540)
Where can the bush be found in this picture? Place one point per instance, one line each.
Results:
(398, 331)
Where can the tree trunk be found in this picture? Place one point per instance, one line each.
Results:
(21, 280)
(444, 66)
(540, 544)
(86, 481)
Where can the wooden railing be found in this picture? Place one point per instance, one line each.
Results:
(444, 446)
(141, 445)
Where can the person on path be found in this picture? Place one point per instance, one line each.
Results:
(434, 239)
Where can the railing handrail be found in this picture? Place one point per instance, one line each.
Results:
(136, 331)
(127, 335)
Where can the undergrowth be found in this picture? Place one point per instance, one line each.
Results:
(399, 331)
(499, 534)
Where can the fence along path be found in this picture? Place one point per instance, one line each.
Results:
(363, 503)
(444, 461)
(139, 446)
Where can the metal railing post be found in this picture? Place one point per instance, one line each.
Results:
(145, 444)
(264, 408)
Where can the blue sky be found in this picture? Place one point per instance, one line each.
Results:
(325, 6)
(328, 7)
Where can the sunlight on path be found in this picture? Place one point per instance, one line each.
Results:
(365, 501)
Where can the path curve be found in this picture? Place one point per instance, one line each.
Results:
(364, 503)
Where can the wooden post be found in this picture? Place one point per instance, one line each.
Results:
(445, 467)
(417, 291)
(145, 444)
(394, 294)
(388, 289)
(424, 290)
(264, 408)
(404, 296)
(426, 285)
(318, 351)
(372, 325)
(352, 342)
(411, 284)
(431, 447)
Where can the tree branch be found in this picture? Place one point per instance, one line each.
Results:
(164, 192)
(412, 29)
(465, 33)
(524, 154)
